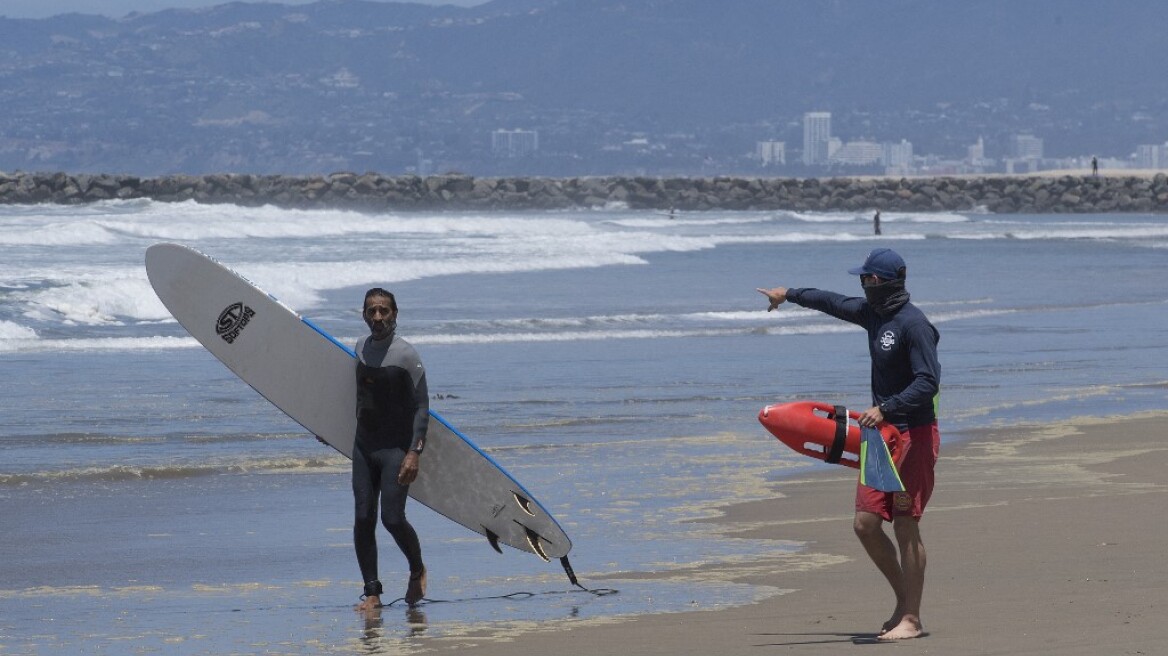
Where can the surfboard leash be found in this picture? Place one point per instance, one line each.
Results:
(599, 592)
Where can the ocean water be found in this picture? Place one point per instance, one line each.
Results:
(613, 361)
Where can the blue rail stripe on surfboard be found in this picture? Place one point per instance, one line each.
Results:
(334, 340)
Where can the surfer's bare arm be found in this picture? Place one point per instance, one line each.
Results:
(776, 296)
(409, 468)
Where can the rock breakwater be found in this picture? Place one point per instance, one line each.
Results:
(369, 191)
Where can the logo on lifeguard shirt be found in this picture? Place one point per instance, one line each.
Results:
(233, 320)
(887, 340)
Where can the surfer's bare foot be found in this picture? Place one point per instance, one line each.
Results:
(371, 602)
(417, 588)
(908, 628)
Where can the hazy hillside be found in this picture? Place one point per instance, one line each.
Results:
(272, 88)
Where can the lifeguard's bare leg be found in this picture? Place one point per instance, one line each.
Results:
(912, 566)
(869, 527)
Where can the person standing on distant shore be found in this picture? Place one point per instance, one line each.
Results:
(906, 377)
(876, 223)
(393, 414)
(1094, 166)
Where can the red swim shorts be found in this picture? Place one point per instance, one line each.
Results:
(916, 472)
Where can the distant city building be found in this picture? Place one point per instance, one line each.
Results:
(858, 153)
(833, 145)
(514, 143)
(1025, 146)
(898, 156)
(977, 152)
(771, 152)
(1021, 165)
(1152, 156)
(425, 165)
(816, 138)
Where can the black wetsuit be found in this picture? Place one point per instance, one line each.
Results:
(392, 417)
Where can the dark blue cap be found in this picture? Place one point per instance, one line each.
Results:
(883, 262)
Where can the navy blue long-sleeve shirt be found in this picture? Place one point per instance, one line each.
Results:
(906, 374)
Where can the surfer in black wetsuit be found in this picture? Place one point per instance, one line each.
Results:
(392, 418)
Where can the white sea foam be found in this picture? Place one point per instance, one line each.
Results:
(79, 270)
(329, 463)
(885, 217)
(942, 317)
(924, 217)
(681, 221)
(15, 331)
(621, 320)
(1102, 233)
(32, 344)
(822, 217)
(70, 233)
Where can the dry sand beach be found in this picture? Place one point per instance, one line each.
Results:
(1041, 540)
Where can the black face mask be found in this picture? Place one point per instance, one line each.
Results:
(887, 297)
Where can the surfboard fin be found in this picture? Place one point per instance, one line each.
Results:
(493, 538)
(524, 503)
(533, 541)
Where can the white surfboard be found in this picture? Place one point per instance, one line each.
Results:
(311, 377)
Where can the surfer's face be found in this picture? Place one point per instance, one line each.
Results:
(380, 316)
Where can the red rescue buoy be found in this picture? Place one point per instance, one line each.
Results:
(826, 432)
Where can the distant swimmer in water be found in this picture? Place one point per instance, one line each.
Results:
(876, 222)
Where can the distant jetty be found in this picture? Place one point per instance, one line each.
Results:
(374, 192)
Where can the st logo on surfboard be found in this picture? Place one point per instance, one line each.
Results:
(232, 320)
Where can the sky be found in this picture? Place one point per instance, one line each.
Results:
(119, 8)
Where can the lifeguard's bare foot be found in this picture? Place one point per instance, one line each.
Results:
(907, 629)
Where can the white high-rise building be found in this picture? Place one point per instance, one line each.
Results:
(1025, 146)
(898, 155)
(976, 152)
(1151, 156)
(514, 143)
(771, 152)
(858, 153)
(816, 138)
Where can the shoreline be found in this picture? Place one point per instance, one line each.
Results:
(1055, 192)
(1041, 539)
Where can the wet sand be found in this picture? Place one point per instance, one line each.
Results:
(1041, 540)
